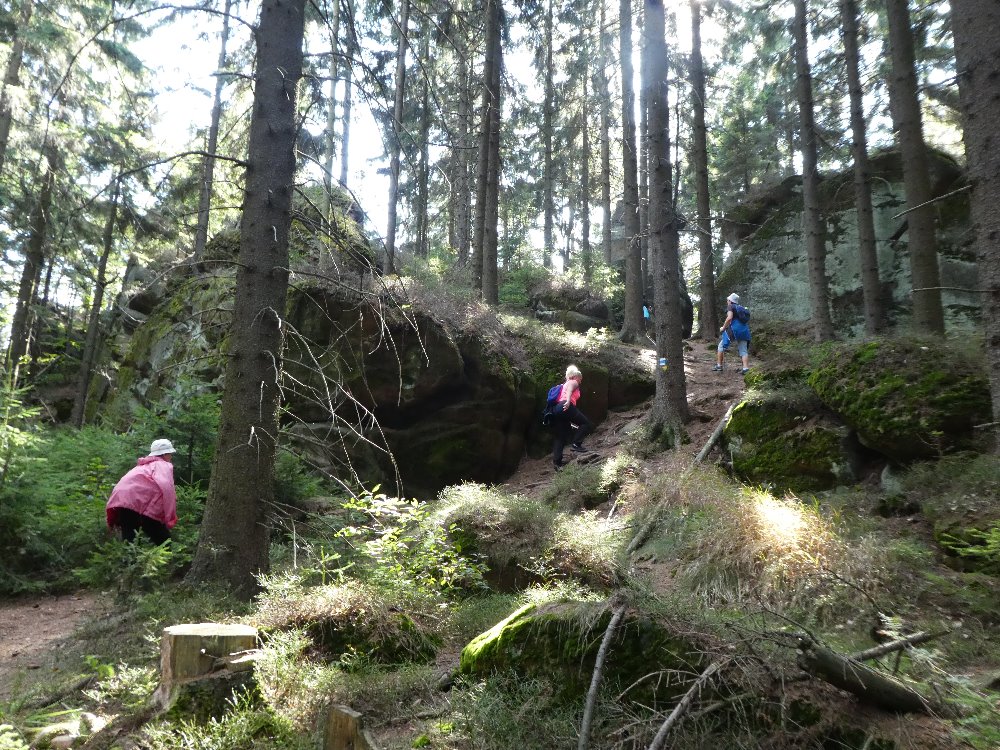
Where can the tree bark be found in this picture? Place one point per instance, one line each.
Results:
(632, 325)
(928, 314)
(812, 217)
(491, 287)
(483, 164)
(460, 157)
(645, 167)
(34, 257)
(586, 253)
(867, 249)
(331, 112)
(91, 343)
(396, 142)
(208, 167)
(708, 319)
(11, 77)
(670, 401)
(548, 178)
(233, 544)
(977, 53)
(604, 93)
(423, 178)
(345, 128)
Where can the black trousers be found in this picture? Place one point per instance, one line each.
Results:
(131, 522)
(563, 425)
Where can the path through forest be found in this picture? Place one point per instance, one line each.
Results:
(35, 631)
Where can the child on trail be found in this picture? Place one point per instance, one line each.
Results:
(567, 415)
(736, 328)
(145, 497)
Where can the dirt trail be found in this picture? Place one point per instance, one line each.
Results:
(709, 394)
(33, 632)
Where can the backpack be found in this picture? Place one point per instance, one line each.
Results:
(741, 314)
(551, 404)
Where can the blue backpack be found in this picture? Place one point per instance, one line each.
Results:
(552, 406)
(741, 314)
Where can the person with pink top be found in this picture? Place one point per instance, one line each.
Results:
(145, 499)
(567, 415)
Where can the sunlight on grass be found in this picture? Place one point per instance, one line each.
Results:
(783, 524)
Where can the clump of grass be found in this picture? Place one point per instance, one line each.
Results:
(747, 547)
(245, 727)
(351, 621)
(503, 528)
(588, 546)
(589, 485)
(506, 711)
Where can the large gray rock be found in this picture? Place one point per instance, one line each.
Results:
(769, 269)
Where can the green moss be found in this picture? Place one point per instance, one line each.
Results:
(559, 641)
(906, 398)
(776, 437)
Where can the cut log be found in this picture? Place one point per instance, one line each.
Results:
(870, 686)
(344, 730)
(195, 651)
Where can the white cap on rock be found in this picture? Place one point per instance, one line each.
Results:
(734, 298)
(160, 447)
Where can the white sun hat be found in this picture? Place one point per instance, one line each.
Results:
(734, 298)
(161, 446)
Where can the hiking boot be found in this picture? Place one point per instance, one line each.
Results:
(557, 467)
(717, 368)
(577, 448)
(744, 371)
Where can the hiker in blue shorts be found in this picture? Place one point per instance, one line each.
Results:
(736, 328)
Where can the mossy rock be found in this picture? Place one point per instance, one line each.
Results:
(787, 439)
(558, 641)
(907, 398)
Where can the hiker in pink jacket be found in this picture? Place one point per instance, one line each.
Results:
(145, 497)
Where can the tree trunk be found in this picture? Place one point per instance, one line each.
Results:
(928, 315)
(11, 76)
(425, 129)
(645, 167)
(548, 179)
(604, 93)
(812, 216)
(670, 401)
(632, 327)
(460, 157)
(331, 113)
(94, 320)
(586, 253)
(34, 257)
(708, 319)
(483, 165)
(233, 544)
(867, 248)
(208, 167)
(396, 142)
(491, 287)
(345, 128)
(977, 52)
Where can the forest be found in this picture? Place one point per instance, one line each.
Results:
(323, 262)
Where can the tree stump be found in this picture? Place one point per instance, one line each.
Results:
(344, 731)
(203, 651)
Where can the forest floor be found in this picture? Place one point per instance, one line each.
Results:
(34, 635)
(37, 632)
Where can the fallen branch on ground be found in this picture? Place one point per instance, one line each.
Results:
(595, 680)
(683, 706)
(870, 686)
(887, 648)
(716, 434)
